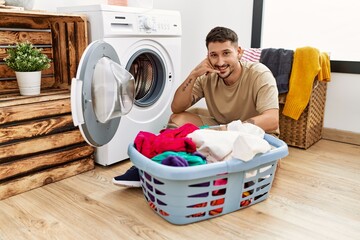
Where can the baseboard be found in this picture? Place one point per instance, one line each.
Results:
(341, 136)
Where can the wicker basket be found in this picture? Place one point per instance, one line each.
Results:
(307, 130)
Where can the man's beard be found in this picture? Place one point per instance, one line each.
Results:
(227, 68)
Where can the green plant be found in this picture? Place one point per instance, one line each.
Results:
(26, 58)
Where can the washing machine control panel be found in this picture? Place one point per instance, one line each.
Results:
(156, 24)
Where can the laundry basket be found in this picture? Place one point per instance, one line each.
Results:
(307, 130)
(183, 195)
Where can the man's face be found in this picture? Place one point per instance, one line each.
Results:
(223, 56)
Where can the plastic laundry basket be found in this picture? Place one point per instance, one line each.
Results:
(183, 195)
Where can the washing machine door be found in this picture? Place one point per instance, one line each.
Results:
(101, 93)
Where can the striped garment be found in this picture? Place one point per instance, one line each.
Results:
(251, 54)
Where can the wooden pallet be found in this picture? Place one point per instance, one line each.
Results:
(38, 141)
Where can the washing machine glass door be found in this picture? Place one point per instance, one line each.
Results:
(101, 93)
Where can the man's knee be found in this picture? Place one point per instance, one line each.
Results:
(176, 119)
(179, 119)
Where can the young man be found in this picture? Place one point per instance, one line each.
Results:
(233, 90)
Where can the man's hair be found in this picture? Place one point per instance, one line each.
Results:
(221, 34)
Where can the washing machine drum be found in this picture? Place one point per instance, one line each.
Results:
(101, 93)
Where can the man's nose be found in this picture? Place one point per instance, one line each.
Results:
(220, 61)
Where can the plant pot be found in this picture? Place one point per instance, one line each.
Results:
(29, 82)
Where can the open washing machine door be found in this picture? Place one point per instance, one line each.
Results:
(101, 93)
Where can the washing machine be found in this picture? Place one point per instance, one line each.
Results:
(147, 44)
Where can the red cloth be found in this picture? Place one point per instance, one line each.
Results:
(175, 140)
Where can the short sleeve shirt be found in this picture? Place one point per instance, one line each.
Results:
(253, 93)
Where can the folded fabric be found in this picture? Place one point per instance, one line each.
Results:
(151, 145)
(192, 159)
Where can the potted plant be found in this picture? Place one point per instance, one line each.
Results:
(27, 62)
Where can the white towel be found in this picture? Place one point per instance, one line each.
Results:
(246, 128)
(241, 140)
(246, 146)
(214, 145)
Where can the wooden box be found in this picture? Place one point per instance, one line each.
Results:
(38, 142)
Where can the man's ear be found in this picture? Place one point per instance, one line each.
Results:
(239, 53)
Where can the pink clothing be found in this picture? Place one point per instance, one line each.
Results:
(251, 54)
(175, 140)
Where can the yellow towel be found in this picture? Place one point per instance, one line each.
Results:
(305, 67)
(325, 73)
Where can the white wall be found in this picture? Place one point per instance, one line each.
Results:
(342, 110)
(52, 5)
(198, 17)
(292, 24)
(314, 23)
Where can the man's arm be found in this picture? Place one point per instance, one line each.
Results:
(268, 120)
(183, 98)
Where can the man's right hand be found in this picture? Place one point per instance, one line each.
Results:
(204, 67)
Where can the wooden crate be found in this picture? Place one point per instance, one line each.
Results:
(38, 142)
(62, 37)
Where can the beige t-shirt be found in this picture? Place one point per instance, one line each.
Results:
(252, 94)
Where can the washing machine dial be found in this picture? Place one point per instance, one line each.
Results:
(148, 23)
